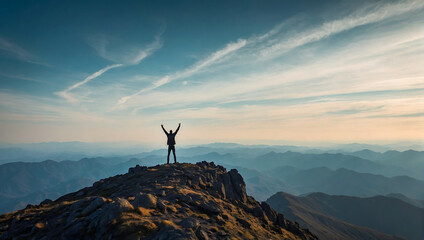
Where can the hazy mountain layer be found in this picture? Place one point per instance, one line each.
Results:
(348, 182)
(328, 216)
(411, 160)
(266, 174)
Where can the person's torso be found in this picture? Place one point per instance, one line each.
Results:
(171, 139)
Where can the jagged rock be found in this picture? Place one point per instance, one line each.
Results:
(239, 185)
(137, 169)
(281, 221)
(269, 212)
(172, 201)
(46, 201)
(28, 206)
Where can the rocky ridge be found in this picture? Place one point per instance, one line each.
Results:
(176, 201)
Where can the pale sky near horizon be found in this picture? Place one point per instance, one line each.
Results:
(232, 71)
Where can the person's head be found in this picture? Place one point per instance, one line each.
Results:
(170, 131)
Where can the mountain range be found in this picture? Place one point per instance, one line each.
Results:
(347, 182)
(296, 173)
(266, 170)
(346, 217)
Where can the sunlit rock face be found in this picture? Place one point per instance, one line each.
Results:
(175, 201)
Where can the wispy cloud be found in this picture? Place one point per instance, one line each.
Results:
(371, 14)
(198, 66)
(142, 54)
(131, 55)
(134, 57)
(260, 50)
(65, 93)
(365, 62)
(18, 52)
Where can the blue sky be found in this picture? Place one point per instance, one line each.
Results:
(244, 71)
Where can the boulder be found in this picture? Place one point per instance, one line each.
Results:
(96, 202)
(145, 200)
(189, 223)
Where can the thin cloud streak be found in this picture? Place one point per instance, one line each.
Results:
(65, 93)
(197, 67)
(134, 59)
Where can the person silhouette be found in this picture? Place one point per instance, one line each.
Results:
(171, 141)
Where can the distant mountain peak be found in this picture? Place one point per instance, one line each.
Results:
(177, 201)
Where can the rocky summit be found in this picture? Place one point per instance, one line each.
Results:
(176, 201)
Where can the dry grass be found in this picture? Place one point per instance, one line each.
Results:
(171, 208)
(229, 227)
(185, 191)
(67, 202)
(203, 216)
(142, 227)
(168, 223)
(148, 227)
(128, 216)
(144, 211)
(188, 212)
(248, 235)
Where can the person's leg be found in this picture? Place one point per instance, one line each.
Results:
(173, 151)
(169, 151)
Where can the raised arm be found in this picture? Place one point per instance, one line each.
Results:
(164, 129)
(176, 131)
